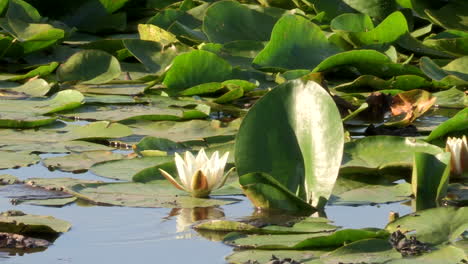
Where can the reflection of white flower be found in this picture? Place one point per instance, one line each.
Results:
(199, 175)
(459, 150)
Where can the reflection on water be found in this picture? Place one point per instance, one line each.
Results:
(186, 217)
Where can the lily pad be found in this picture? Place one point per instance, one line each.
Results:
(365, 155)
(89, 66)
(185, 131)
(28, 113)
(17, 159)
(228, 21)
(308, 225)
(457, 124)
(21, 223)
(125, 169)
(264, 256)
(143, 112)
(434, 226)
(160, 194)
(373, 194)
(194, 68)
(80, 162)
(296, 43)
(359, 29)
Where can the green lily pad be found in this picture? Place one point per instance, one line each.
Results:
(17, 159)
(457, 124)
(59, 202)
(185, 131)
(368, 155)
(41, 71)
(8, 179)
(369, 83)
(116, 89)
(153, 55)
(156, 194)
(125, 169)
(194, 68)
(434, 226)
(228, 21)
(57, 184)
(451, 16)
(367, 62)
(453, 46)
(296, 43)
(89, 66)
(28, 113)
(303, 241)
(373, 194)
(453, 72)
(20, 223)
(443, 254)
(366, 250)
(308, 225)
(264, 256)
(80, 162)
(359, 29)
(36, 88)
(294, 112)
(143, 112)
(452, 98)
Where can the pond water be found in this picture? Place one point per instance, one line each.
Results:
(149, 235)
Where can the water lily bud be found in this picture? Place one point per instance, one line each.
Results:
(459, 150)
(199, 175)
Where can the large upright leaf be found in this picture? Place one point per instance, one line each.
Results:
(430, 178)
(227, 21)
(196, 67)
(89, 66)
(296, 43)
(295, 134)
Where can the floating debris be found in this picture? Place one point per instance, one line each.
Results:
(407, 247)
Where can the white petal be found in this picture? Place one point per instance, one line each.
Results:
(181, 169)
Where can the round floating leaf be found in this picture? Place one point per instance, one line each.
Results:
(20, 223)
(126, 168)
(308, 225)
(17, 159)
(194, 68)
(295, 134)
(227, 21)
(89, 66)
(434, 226)
(264, 256)
(25, 113)
(296, 43)
(366, 250)
(185, 131)
(99, 130)
(373, 194)
(375, 8)
(375, 153)
(80, 162)
(156, 194)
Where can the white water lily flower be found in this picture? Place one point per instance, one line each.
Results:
(459, 150)
(199, 175)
